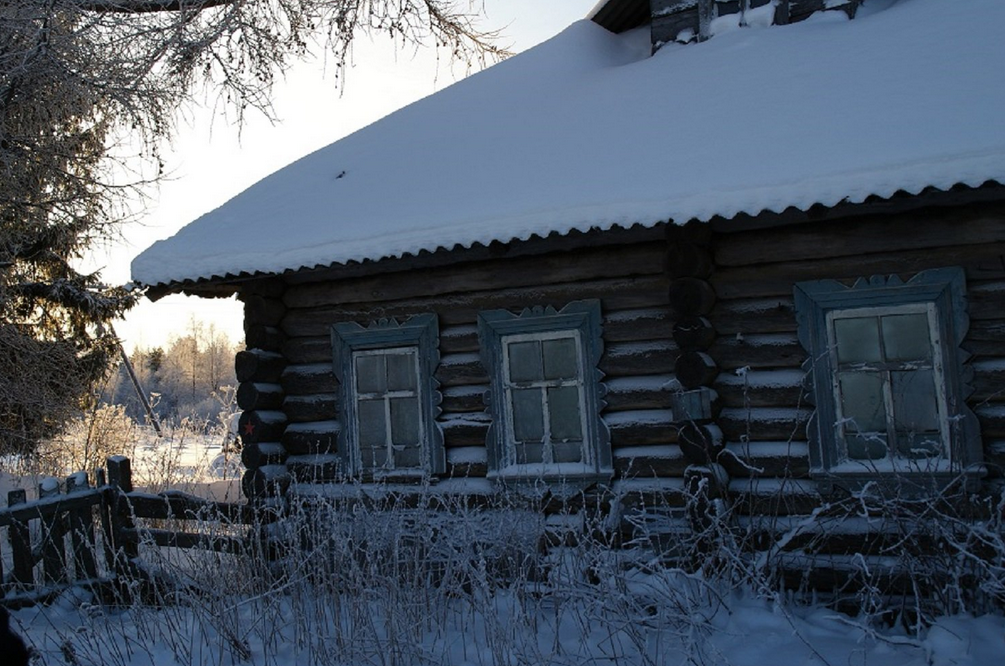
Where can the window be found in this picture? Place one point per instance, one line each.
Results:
(388, 397)
(545, 394)
(885, 372)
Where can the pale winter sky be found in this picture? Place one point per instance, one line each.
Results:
(209, 163)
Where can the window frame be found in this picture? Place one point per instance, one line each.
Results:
(942, 293)
(499, 328)
(350, 340)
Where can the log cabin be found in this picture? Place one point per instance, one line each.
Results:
(752, 246)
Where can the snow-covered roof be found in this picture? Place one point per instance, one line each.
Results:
(587, 131)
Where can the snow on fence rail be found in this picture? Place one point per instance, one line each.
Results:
(89, 536)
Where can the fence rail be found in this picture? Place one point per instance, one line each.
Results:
(78, 534)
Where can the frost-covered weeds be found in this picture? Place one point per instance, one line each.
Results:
(430, 579)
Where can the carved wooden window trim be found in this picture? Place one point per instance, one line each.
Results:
(579, 322)
(416, 340)
(939, 295)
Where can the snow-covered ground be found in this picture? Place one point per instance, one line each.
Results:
(742, 631)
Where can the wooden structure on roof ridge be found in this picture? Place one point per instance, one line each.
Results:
(688, 20)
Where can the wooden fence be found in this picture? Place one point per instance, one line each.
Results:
(78, 534)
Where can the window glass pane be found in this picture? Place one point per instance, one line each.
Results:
(525, 361)
(401, 372)
(906, 337)
(857, 340)
(560, 359)
(529, 453)
(866, 447)
(567, 452)
(373, 458)
(862, 401)
(920, 445)
(563, 405)
(371, 373)
(405, 421)
(408, 457)
(915, 407)
(528, 415)
(372, 426)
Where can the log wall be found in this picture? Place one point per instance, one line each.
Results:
(700, 345)
(289, 387)
(764, 410)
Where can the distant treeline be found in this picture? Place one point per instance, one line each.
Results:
(192, 376)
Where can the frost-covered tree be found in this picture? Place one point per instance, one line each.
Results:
(88, 85)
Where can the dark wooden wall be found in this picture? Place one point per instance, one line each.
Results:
(760, 382)
(700, 307)
(290, 388)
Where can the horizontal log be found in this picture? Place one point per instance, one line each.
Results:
(615, 294)
(260, 336)
(981, 262)
(992, 419)
(773, 350)
(986, 300)
(253, 365)
(266, 287)
(632, 359)
(470, 430)
(555, 268)
(309, 379)
(461, 370)
(467, 462)
(854, 237)
(463, 399)
(265, 311)
(764, 424)
(314, 349)
(459, 339)
(758, 315)
(637, 325)
(691, 297)
(307, 408)
(641, 427)
(649, 392)
(773, 497)
(989, 381)
(261, 426)
(761, 388)
(263, 453)
(311, 438)
(782, 460)
(659, 461)
(255, 395)
(988, 330)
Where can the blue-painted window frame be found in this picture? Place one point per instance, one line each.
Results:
(583, 317)
(419, 331)
(945, 289)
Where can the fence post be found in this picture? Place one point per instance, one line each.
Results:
(120, 478)
(53, 537)
(105, 510)
(82, 530)
(20, 544)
